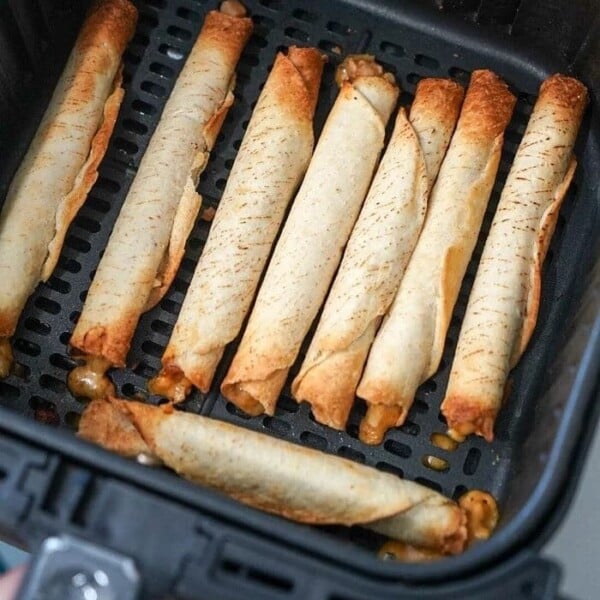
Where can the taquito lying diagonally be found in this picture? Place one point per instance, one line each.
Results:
(314, 235)
(276, 476)
(61, 164)
(503, 305)
(269, 166)
(381, 243)
(148, 239)
(408, 347)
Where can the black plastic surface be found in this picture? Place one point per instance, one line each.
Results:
(528, 464)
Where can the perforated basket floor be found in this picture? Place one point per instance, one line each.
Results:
(166, 31)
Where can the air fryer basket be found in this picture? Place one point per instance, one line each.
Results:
(51, 482)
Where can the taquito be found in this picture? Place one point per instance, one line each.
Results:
(272, 159)
(504, 301)
(408, 347)
(279, 477)
(314, 235)
(61, 164)
(148, 240)
(381, 243)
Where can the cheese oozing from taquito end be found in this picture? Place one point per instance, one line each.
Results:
(61, 163)
(378, 251)
(482, 514)
(269, 166)
(408, 347)
(503, 305)
(276, 476)
(148, 240)
(315, 233)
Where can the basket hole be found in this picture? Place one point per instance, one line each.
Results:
(90, 225)
(420, 407)
(398, 448)
(352, 454)
(413, 78)
(72, 420)
(257, 41)
(459, 490)
(287, 404)
(139, 39)
(147, 20)
(428, 387)
(232, 409)
(58, 285)
(47, 305)
(410, 428)
(153, 89)
(331, 47)
(388, 468)
(171, 51)
(471, 461)
(62, 362)
(36, 326)
(162, 70)
(27, 347)
(8, 392)
(459, 75)
(427, 61)
(152, 349)
(264, 22)
(131, 58)
(278, 426)
(338, 28)
(220, 184)
(67, 264)
(44, 411)
(135, 126)
(53, 384)
(305, 15)
(83, 294)
(188, 15)
(143, 107)
(297, 34)
(250, 60)
(74, 316)
(77, 243)
(392, 49)
(161, 327)
(180, 285)
(125, 146)
(134, 392)
(179, 33)
(170, 306)
(65, 337)
(272, 4)
(314, 440)
(428, 483)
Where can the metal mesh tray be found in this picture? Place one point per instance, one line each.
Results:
(412, 43)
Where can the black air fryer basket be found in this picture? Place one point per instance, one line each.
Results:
(150, 531)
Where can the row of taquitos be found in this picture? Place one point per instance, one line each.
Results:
(371, 281)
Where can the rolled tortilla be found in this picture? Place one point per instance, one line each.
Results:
(269, 166)
(408, 347)
(381, 243)
(314, 235)
(282, 478)
(61, 164)
(148, 239)
(503, 305)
